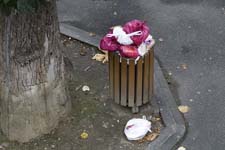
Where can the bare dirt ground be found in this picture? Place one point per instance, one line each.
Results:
(93, 112)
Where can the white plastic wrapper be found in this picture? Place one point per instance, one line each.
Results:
(137, 128)
(122, 37)
(142, 49)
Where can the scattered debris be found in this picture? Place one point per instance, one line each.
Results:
(78, 87)
(209, 90)
(52, 146)
(181, 148)
(191, 100)
(83, 52)
(85, 88)
(87, 68)
(84, 135)
(100, 57)
(184, 66)
(183, 108)
(114, 13)
(198, 92)
(5, 144)
(161, 39)
(149, 137)
(92, 34)
(105, 124)
(170, 73)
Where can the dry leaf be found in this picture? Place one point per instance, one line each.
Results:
(181, 148)
(151, 137)
(183, 109)
(84, 135)
(101, 57)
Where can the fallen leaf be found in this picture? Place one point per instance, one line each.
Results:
(181, 148)
(151, 137)
(101, 57)
(84, 135)
(183, 109)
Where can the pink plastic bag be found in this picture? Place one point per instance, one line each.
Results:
(137, 25)
(109, 43)
(129, 51)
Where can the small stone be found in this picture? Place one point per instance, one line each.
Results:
(181, 148)
(170, 73)
(210, 58)
(59, 139)
(191, 100)
(52, 146)
(161, 39)
(209, 90)
(118, 121)
(45, 148)
(69, 38)
(114, 13)
(198, 92)
(189, 27)
(85, 88)
(105, 125)
(112, 125)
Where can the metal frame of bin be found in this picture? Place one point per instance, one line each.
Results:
(131, 83)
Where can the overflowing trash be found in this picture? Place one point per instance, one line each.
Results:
(130, 41)
(137, 128)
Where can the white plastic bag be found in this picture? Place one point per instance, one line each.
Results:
(137, 128)
(122, 37)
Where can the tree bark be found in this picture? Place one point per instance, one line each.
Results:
(32, 83)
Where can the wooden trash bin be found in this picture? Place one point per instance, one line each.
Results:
(131, 83)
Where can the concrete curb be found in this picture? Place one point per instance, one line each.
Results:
(175, 129)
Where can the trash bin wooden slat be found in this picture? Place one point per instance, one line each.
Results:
(124, 82)
(146, 79)
(131, 83)
(117, 79)
(151, 75)
(139, 72)
(111, 74)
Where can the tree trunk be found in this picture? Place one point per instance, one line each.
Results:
(32, 84)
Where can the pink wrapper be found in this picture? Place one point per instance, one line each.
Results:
(129, 51)
(109, 43)
(137, 25)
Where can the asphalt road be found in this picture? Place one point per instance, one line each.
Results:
(192, 51)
